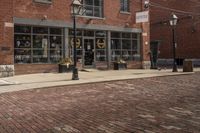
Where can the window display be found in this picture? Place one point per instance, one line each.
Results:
(125, 46)
(38, 46)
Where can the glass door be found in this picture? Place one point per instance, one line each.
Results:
(88, 52)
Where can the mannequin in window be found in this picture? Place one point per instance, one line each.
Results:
(45, 46)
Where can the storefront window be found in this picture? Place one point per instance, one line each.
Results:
(42, 45)
(125, 46)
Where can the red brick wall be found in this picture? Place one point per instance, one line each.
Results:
(6, 32)
(35, 68)
(187, 32)
(60, 10)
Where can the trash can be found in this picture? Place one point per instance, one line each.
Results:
(187, 65)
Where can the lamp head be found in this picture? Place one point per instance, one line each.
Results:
(146, 4)
(173, 20)
(76, 3)
(77, 7)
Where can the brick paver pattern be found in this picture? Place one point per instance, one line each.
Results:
(164, 105)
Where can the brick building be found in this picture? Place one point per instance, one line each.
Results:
(187, 29)
(36, 34)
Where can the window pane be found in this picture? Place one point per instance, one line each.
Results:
(116, 44)
(55, 55)
(126, 55)
(93, 8)
(135, 36)
(89, 11)
(57, 31)
(89, 2)
(126, 5)
(22, 55)
(88, 33)
(122, 5)
(135, 45)
(78, 42)
(126, 44)
(22, 41)
(40, 56)
(97, 12)
(115, 35)
(100, 34)
(100, 43)
(40, 41)
(97, 2)
(100, 55)
(22, 29)
(115, 55)
(55, 41)
(40, 30)
(126, 35)
(78, 32)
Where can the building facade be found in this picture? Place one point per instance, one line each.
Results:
(36, 34)
(187, 29)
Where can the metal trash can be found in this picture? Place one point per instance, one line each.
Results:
(187, 65)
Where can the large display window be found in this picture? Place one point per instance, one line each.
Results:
(125, 46)
(38, 44)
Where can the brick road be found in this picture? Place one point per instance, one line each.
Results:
(163, 104)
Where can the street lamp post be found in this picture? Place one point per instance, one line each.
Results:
(173, 23)
(76, 9)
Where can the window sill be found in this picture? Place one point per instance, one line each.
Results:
(42, 2)
(90, 17)
(123, 12)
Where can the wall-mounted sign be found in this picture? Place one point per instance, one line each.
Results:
(142, 17)
(5, 48)
(8, 24)
(101, 43)
(78, 42)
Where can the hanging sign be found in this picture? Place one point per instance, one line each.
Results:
(142, 17)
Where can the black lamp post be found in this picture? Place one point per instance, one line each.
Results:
(173, 23)
(76, 10)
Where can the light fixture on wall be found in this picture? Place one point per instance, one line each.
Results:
(44, 17)
(127, 24)
(146, 4)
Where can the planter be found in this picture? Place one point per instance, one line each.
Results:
(120, 66)
(64, 68)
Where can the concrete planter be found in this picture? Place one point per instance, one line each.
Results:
(120, 66)
(62, 68)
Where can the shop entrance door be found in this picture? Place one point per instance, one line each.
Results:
(88, 52)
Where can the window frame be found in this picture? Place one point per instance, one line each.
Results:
(100, 8)
(123, 7)
(50, 56)
(134, 54)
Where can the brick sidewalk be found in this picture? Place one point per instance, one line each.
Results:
(164, 105)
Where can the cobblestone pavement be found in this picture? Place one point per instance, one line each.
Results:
(162, 105)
